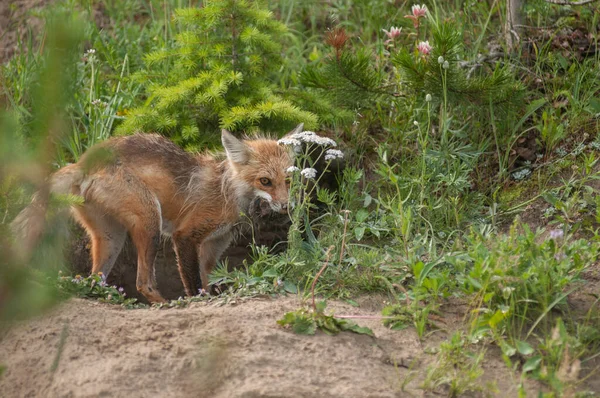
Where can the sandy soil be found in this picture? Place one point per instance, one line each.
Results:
(15, 21)
(89, 349)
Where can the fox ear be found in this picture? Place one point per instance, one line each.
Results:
(236, 150)
(298, 129)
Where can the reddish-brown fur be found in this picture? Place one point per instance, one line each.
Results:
(146, 186)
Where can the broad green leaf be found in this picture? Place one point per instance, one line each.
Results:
(474, 282)
(290, 287)
(595, 104)
(359, 233)
(524, 348)
(352, 327)
(362, 215)
(270, 273)
(507, 349)
(532, 363)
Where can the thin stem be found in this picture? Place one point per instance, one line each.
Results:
(312, 288)
(346, 213)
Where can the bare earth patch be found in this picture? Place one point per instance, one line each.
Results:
(88, 349)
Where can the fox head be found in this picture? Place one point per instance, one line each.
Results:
(261, 166)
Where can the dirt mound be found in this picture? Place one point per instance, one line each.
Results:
(89, 349)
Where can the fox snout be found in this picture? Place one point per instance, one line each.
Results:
(268, 203)
(283, 208)
(279, 206)
(265, 207)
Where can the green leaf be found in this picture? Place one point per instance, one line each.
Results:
(304, 326)
(532, 363)
(352, 327)
(507, 349)
(426, 270)
(352, 302)
(524, 348)
(290, 287)
(399, 325)
(362, 215)
(329, 324)
(359, 232)
(595, 104)
(270, 273)
(531, 109)
(474, 282)
(498, 317)
(300, 322)
(321, 305)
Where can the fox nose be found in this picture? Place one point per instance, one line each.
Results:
(284, 208)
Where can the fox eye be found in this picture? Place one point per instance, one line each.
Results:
(265, 181)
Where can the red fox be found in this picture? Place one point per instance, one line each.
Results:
(150, 187)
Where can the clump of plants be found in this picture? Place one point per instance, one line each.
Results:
(219, 73)
(519, 279)
(95, 287)
(307, 321)
(304, 321)
(457, 369)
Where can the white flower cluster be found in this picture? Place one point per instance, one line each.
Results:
(98, 102)
(292, 169)
(309, 173)
(332, 154)
(289, 141)
(297, 139)
(90, 51)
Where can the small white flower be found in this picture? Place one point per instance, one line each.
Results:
(556, 234)
(440, 60)
(304, 136)
(289, 141)
(416, 123)
(325, 141)
(312, 137)
(445, 65)
(309, 173)
(98, 102)
(428, 98)
(292, 169)
(90, 51)
(331, 154)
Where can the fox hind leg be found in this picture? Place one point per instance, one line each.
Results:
(146, 243)
(130, 202)
(107, 235)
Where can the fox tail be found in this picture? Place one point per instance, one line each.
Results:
(29, 225)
